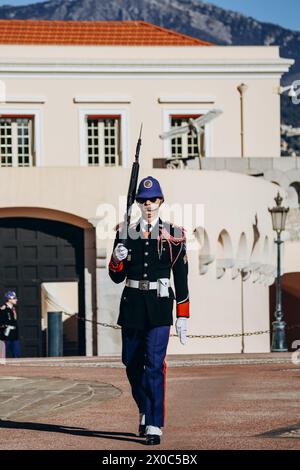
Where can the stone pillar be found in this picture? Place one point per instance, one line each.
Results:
(90, 291)
(108, 299)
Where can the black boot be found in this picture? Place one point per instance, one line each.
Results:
(152, 439)
(142, 427)
(142, 430)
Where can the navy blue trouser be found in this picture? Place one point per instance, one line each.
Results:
(143, 354)
(13, 346)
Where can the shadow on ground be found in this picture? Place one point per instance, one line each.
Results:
(75, 431)
(292, 431)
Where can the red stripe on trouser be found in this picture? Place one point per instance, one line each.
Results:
(165, 386)
(165, 383)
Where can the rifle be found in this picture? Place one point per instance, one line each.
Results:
(131, 190)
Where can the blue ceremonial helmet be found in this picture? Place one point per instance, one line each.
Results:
(10, 295)
(149, 188)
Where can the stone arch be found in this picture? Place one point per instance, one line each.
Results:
(277, 177)
(26, 219)
(266, 249)
(255, 252)
(224, 258)
(255, 256)
(46, 213)
(205, 257)
(267, 269)
(242, 247)
(242, 260)
(293, 174)
(294, 196)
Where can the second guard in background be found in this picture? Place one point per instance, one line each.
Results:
(9, 325)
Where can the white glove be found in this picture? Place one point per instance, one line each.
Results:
(120, 252)
(8, 329)
(181, 329)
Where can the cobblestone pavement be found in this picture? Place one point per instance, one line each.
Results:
(213, 402)
(28, 398)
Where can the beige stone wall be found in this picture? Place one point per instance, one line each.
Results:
(60, 131)
(145, 84)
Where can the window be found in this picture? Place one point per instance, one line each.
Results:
(103, 140)
(186, 145)
(16, 141)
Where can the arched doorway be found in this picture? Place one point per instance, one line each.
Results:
(290, 305)
(34, 251)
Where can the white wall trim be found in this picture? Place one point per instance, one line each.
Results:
(166, 127)
(83, 112)
(186, 99)
(26, 99)
(102, 99)
(149, 67)
(37, 128)
(143, 76)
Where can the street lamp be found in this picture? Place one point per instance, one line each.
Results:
(278, 214)
(242, 88)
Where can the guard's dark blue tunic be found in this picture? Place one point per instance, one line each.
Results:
(152, 259)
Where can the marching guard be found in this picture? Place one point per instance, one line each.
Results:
(152, 250)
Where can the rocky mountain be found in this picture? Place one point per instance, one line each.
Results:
(194, 17)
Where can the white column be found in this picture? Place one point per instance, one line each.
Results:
(108, 299)
(90, 290)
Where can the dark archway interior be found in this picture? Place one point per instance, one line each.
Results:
(33, 251)
(296, 186)
(290, 304)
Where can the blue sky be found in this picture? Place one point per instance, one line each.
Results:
(283, 12)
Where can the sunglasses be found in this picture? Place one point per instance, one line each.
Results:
(151, 199)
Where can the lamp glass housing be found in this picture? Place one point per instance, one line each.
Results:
(278, 219)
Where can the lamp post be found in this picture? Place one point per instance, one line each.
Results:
(242, 88)
(278, 214)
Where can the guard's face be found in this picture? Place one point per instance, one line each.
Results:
(149, 207)
(13, 301)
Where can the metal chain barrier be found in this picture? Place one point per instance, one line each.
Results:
(232, 335)
(229, 335)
